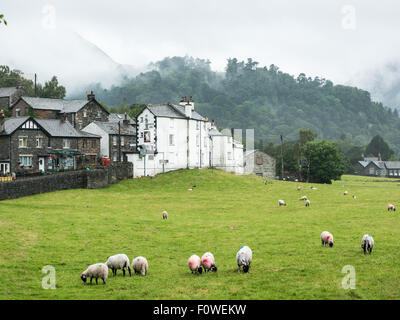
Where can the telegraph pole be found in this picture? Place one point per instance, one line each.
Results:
(282, 157)
(119, 141)
(35, 85)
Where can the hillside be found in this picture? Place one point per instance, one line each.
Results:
(72, 229)
(264, 98)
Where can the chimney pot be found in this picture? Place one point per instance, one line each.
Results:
(91, 95)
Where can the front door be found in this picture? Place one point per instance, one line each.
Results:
(41, 164)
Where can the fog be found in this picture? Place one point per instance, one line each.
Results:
(349, 42)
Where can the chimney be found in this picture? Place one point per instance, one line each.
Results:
(188, 110)
(379, 156)
(2, 121)
(183, 101)
(64, 117)
(125, 121)
(212, 124)
(191, 102)
(90, 96)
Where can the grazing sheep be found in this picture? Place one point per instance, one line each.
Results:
(208, 262)
(391, 207)
(307, 203)
(119, 261)
(327, 238)
(313, 188)
(354, 197)
(243, 258)
(194, 264)
(98, 270)
(298, 188)
(367, 243)
(303, 198)
(345, 193)
(165, 215)
(140, 265)
(281, 203)
(190, 189)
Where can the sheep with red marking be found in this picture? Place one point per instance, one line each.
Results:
(327, 238)
(208, 262)
(194, 264)
(391, 207)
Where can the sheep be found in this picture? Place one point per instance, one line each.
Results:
(98, 270)
(208, 262)
(303, 198)
(119, 261)
(190, 189)
(194, 264)
(298, 188)
(165, 215)
(354, 197)
(307, 203)
(345, 193)
(327, 238)
(243, 258)
(313, 188)
(140, 265)
(391, 207)
(367, 243)
(281, 203)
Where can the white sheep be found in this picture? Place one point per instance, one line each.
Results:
(314, 188)
(194, 264)
(98, 270)
(303, 198)
(307, 203)
(298, 188)
(367, 243)
(281, 203)
(119, 261)
(208, 262)
(140, 265)
(327, 238)
(354, 197)
(391, 207)
(165, 215)
(346, 193)
(243, 258)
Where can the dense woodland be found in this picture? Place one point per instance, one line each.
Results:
(272, 102)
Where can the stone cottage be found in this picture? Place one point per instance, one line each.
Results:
(259, 163)
(10, 95)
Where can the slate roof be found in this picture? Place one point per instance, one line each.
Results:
(216, 132)
(54, 127)
(112, 128)
(67, 106)
(392, 164)
(382, 164)
(173, 111)
(6, 92)
(115, 117)
(364, 163)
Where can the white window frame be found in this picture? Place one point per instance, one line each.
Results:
(115, 142)
(171, 142)
(39, 139)
(66, 143)
(27, 157)
(23, 139)
(122, 141)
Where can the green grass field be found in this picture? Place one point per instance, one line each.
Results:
(72, 229)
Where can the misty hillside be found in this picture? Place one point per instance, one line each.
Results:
(264, 98)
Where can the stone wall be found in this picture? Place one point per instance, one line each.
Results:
(93, 179)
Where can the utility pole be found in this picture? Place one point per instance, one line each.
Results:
(300, 160)
(35, 85)
(282, 157)
(119, 141)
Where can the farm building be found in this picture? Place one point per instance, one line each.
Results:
(259, 163)
(378, 168)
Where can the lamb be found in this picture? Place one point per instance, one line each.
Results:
(307, 203)
(243, 258)
(391, 207)
(208, 262)
(345, 193)
(281, 203)
(118, 261)
(303, 198)
(165, 215)
(194, 264)
(327, 238)
(367, 243)
(98, 270)
(140, 265)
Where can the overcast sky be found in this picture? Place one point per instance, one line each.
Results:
(337, 39)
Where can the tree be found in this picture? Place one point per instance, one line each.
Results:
(51, 89)
(2, 19)
(325, 161)
(378, 147)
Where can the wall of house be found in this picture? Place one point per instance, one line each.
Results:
(126, 142)
(97, 178)
(262, 164)
(104, 141)
(91, 109)
(89, 146)
(4, 147)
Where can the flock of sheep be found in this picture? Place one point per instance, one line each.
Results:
(207, 261)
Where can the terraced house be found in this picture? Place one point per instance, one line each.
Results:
(78, 112)
(38, 145)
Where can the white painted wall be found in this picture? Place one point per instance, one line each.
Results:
(104, 141)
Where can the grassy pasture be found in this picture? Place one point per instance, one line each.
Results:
(72, 229)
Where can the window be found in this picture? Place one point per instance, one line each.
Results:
(93, 143)
(141, 135)
(205, 141)
(84, 114)
(115, 156)
(17, 112)
(39, 142)
(371, 170)
(25, 161)
(29, 125)
(114, 140)
(171, 140)
(98, 114)
(229, 155)
(204, 125)
(151, 157)
(197, 125)
(197, 140)
(141, 119)
(66, 143)
(122, 141)
(146, 123)
(147, 136)
(171, 122)
(23, 142)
